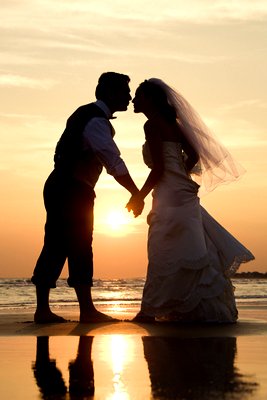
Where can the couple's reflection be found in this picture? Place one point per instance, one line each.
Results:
(194, 368)
(81, 374)
(179, 368)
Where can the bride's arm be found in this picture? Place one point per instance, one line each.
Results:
(154, 142)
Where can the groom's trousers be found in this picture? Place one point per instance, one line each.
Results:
(69, 206)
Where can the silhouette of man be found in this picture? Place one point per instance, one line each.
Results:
(48, 377)
(84, 148)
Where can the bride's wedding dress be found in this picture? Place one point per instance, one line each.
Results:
(191, 256)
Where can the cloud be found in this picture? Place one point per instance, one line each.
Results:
(15, 116)
(49, 33)
(239, 132)
(243, 104)
(12, 80)
(207, 11)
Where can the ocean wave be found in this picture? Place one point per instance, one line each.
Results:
(19, 293)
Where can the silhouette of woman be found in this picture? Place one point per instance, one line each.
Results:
(191, 256)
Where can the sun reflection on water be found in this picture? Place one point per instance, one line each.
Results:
(121, 354)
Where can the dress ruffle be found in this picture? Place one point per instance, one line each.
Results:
(192, 295)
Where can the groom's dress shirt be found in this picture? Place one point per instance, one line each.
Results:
(98, 136)
(87, 145)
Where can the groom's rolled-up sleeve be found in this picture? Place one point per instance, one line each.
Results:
(97, 136)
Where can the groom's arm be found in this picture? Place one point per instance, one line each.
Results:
(97, 136)
(127, 182)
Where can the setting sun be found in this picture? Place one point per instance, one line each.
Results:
(114, 219)
(117, 219)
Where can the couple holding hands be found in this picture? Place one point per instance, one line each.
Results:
(191, 256)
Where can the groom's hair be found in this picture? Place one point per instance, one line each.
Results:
(110, 82)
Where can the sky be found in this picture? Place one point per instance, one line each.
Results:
(51, 55)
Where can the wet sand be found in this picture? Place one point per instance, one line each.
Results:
(125, 360)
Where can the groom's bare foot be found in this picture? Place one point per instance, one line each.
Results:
(95, 316)
(48, 317)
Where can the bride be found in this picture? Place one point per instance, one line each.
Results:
(191, 256)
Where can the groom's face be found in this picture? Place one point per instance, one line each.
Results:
(121, 98)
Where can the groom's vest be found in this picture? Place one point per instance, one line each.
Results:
(70, 157)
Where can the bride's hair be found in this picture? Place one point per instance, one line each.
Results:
(159, 99)
(216, 165)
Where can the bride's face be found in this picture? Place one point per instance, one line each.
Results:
(139, 101)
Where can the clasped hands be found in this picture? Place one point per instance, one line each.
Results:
(136, 204)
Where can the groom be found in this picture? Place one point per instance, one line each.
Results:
(84, 148)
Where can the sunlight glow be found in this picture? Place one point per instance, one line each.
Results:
(113, 219)
(117, 219)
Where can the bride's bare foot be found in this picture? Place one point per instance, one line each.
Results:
(48, 317)
(95, 316)
(142, 317)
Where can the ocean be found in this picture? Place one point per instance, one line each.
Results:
(110, 294)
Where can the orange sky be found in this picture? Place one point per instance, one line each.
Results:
(52, 53)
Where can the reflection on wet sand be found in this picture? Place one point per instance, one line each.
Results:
(179, 368)
(194, 368)
(81, 374)
(48, 376)
(81, 369)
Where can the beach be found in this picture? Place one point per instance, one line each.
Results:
(126, 360)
